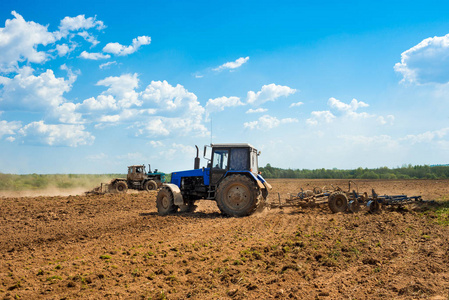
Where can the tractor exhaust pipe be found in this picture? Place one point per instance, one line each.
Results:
(197, 159)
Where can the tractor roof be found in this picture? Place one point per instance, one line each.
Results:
(235, 145)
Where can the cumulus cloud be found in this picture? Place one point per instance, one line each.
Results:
(79, 22)
(94, 56)
(219, 104)
(349, 109)
(56, 135)
(426, 62)
(427, 136)
(269, 92)
(268, 122)
(257, 110)
(122, 89)
(156, 144)
(9, 128)
(66, 113)
(296, 104)
(28, 92)
(320, 116)
(64, 49)
(389, 119)
(120, 50)
(344, 111)
(233, 64)
(19, 40)
(178, 109)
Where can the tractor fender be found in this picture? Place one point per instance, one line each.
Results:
(267, 186)
(259, 182)
(177, 196)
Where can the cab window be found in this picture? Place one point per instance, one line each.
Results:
(239, 159)
(220, 160)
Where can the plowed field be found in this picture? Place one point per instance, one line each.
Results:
(117, 247)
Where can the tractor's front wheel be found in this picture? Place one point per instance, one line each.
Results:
(150, 185)
(164, 202)
(121, 187)
(238, 196)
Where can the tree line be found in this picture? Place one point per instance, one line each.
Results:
(404, 172)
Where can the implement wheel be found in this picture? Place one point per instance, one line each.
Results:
(338, 202)
(238, 196)
(121, 187)
(150, 185)
(164, 202)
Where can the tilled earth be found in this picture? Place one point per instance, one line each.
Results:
(117, 247)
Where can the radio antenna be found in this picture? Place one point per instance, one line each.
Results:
(211, 130)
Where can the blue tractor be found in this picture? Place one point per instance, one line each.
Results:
(231, 179)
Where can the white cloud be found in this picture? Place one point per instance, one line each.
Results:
(89, 38)
(297, 104)
(107, 65)
(349, 110)
(94, 56)
(345, 111)
(9, 128)
(122, 88)
(120, 50)
(176, 111)
(256, 111)
(65, 113)
(102, 102)
(427, 62)
(427, 136)
(79, 23)
(268, 122)
(63, 49)
(351, 107)
(233, 64)
(28, 92)
(320, 116)
(269, 92)
(156, 144)
(56, 135)
(19, 40)
(386, 120)
(219, 104)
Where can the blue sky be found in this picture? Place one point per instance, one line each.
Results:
(91, 87)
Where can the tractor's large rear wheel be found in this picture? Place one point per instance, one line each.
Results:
(164, 202)
(121, 187)
(238, 196)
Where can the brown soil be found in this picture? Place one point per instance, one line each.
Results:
(117, 247)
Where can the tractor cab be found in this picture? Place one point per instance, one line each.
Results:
(231, 158)
(136, 173)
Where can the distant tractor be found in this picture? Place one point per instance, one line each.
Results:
(138, 179)
(231, 179)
